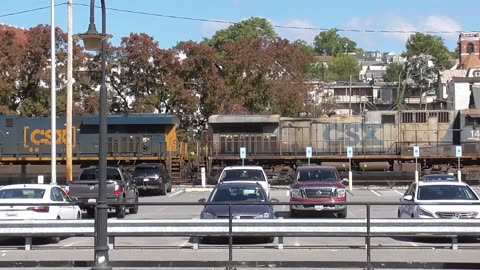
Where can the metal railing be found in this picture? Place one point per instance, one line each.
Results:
(281, 227)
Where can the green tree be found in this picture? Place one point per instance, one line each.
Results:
(344, 66)
(393, 73)
(419, 43)
(331, 43)
(252, 28)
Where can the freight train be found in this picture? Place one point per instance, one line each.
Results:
(382, 143)
(132, 138)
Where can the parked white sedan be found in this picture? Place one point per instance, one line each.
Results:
(36, 194)
(439, 199)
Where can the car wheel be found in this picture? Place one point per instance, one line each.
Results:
(120, 211)
(169, 187)
(293, 213)
(134, 209)
(163, 189)
(91, 212)
(342, 214)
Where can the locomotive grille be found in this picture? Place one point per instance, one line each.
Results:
(318, 193)
(456, 215)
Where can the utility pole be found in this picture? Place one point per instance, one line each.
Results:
(350, 98)
(69, 93)
(53, 98)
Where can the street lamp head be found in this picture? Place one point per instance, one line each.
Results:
(92, 40)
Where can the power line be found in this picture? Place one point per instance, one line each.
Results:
(30, 10)
(231, 22)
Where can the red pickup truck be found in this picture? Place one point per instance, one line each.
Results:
(321, 187)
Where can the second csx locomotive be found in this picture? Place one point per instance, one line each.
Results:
(382, 142)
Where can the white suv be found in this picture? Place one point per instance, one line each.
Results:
(245, 174)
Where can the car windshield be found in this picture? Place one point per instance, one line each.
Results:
(317, 175)
(439, 177)
(145, 171)
(445, 192)
(238, 194)
(243, 174)
(23, 193)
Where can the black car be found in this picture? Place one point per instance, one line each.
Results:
(152, 177)
(242, 193)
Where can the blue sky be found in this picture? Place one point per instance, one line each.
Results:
(377, 15)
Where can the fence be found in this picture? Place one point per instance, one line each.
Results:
(280, 227)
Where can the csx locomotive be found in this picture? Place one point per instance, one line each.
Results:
(382, 143)
(131, 139)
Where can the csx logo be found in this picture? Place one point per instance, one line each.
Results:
(32, 140)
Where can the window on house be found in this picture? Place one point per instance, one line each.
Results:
(470, 48)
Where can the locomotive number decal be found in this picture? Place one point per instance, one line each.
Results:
(475, 133)
(34, 138)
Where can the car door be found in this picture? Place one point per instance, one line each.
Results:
(406, 210)
(65, 210)
(130, 193)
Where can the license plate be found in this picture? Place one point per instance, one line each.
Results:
(318, 207)
(92, 200)
(145, 180)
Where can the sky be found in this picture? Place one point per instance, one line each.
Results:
(375, 25)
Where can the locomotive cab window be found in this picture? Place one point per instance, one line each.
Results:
(9, 122)
(388, 119)
(472, 121)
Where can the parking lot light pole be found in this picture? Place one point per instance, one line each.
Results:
(95, 41)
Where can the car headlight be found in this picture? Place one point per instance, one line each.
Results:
(423, 212)
(341, 193)
(208, 215)
(295, 193)
(264, 215)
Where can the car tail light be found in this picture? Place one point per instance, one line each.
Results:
(67, 190)
(117, 190)
(39, 209)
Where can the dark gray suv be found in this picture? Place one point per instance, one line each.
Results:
(152, 177)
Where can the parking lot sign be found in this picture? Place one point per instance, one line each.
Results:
(308, 151)
(416, 151)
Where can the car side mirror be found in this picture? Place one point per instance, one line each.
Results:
(408, 198)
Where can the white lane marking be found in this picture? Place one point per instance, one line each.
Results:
(71, 244)
(288, 193)
(398, 192)
(413, 244)
(176, 193)
(376, 193)
(184, 243)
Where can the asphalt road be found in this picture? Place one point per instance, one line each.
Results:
(171, 251)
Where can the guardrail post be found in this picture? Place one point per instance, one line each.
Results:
(230, 238)
(280, 242)
(195, 242)
(368, 237)
(111, 242)
(28, 243)
(455, 242)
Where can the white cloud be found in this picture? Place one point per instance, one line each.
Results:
(403, 27)
(441, 24)
(363, 39)
(208, 29)
(303, 32)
